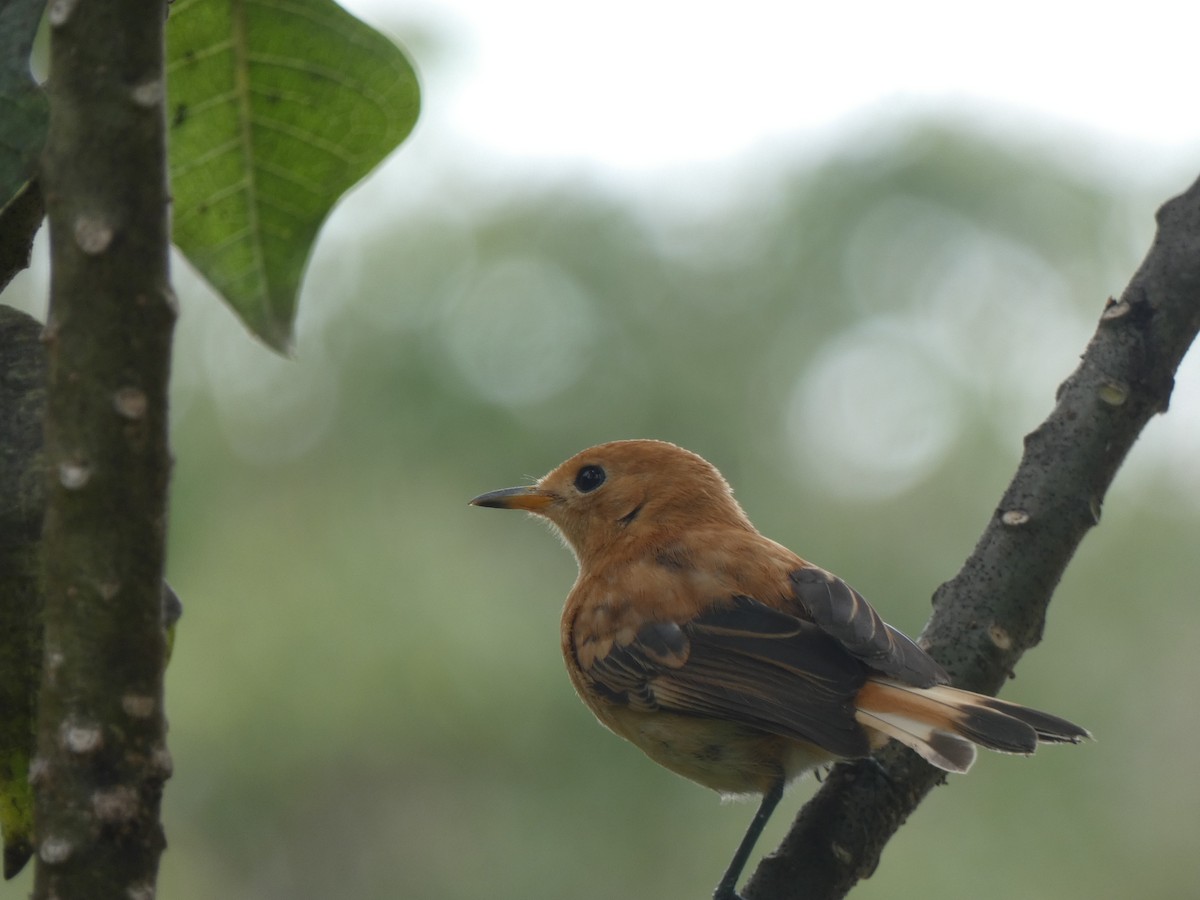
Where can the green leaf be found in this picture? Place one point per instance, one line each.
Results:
(276, 107)
(24, 112)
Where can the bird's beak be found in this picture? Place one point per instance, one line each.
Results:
(531, 498)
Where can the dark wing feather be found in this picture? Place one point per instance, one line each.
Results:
(843, 613)
(745, 663)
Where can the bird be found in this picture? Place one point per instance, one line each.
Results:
(727, 658)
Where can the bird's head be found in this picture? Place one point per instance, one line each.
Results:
(625, 491)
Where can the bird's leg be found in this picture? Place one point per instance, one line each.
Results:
(727, 888)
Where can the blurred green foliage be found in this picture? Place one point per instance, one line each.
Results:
(366, 697)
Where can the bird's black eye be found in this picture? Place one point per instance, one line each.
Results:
(589, 478)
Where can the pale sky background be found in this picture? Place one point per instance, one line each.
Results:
(677, 106)
(635, 85)
(666, 101)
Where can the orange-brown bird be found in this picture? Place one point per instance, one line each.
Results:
(726, 657)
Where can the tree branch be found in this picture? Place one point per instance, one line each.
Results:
(994, 609)
(101, 753)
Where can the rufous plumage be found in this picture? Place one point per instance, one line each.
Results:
(726, 657)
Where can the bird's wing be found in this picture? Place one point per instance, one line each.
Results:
(742, 662)
(842, 612)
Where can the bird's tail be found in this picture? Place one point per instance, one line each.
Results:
(944, 724)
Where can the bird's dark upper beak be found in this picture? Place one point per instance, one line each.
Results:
(531, 498)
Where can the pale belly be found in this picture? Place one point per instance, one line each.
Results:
(723, 756)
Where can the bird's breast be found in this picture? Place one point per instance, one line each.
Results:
(671, 582)
(605, 612)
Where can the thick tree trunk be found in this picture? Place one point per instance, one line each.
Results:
(101, 752)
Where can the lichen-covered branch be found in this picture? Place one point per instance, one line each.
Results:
(993, 610)
(101, 753)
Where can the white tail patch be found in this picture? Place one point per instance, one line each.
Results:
(944, 723)
(947, 751)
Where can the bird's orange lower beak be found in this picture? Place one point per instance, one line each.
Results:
(531, 498)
